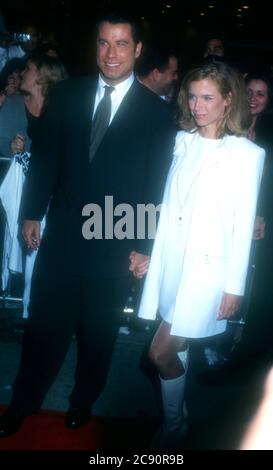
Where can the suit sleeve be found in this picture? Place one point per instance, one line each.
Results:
(44, 165)
(158, 163)
(248, 179)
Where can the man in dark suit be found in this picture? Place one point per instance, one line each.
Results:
(158, 69)
(81, 274)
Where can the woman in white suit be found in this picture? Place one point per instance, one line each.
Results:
(199, 261)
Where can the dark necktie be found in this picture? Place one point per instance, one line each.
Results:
(101, 121)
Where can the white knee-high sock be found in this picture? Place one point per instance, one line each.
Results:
(173, 391)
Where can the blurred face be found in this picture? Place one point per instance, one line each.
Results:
(33, 42)
(52, 53)
(258, 97)
(30, 77)
(207, 106)
(116, 52)
(214, 47)
(13, 83)
(165, 80)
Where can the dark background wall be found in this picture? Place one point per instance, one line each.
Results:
(248, 33)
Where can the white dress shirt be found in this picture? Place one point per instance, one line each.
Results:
(116, 96)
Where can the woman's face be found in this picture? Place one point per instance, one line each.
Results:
(30, 77)
(207, 105)
(258, 97)
(13, 83)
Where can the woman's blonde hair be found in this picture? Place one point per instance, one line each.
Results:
(50, 69)
(230, 82)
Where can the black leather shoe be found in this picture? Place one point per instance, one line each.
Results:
(77, 417)
(10, 423)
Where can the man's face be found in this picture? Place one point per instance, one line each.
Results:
(116, 52)
(30, 45)
(214, 47)
(165, 80)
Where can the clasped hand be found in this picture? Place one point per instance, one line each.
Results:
(139, 264)
(229, 306)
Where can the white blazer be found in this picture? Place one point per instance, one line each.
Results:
(215, 252)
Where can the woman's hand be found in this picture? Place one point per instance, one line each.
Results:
(18, 144)
(139, 264)
(229, 305)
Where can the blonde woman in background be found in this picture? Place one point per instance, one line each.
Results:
(39, 76)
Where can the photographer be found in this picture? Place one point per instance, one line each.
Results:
(18, 44)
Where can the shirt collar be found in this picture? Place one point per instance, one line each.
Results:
(120, 89)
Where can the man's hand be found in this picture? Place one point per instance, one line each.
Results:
(230, 304)
(139, 264)
(31, 233)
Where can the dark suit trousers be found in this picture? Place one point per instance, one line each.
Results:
(60, 306)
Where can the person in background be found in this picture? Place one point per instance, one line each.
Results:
(30, 45)
(40, 75)
(24, 44)
(199, 262)
(49, 44)
(255, 346)
(260, 95)
(11, 75)
(214, 47)
(101, 136)
(158, 70)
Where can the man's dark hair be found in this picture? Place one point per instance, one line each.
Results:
(13, 65)
(124, 17)
(215, 35)
(154, 56)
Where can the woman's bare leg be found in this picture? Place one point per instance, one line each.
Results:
(163, 352)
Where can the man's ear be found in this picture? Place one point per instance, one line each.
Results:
(156, 74)
(138, 49)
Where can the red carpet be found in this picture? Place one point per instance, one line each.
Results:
(46, 431)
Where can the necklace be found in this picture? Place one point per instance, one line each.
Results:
(182, 204)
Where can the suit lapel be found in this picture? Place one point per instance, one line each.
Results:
(89, 96)
(123, 111)
(82, 111)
